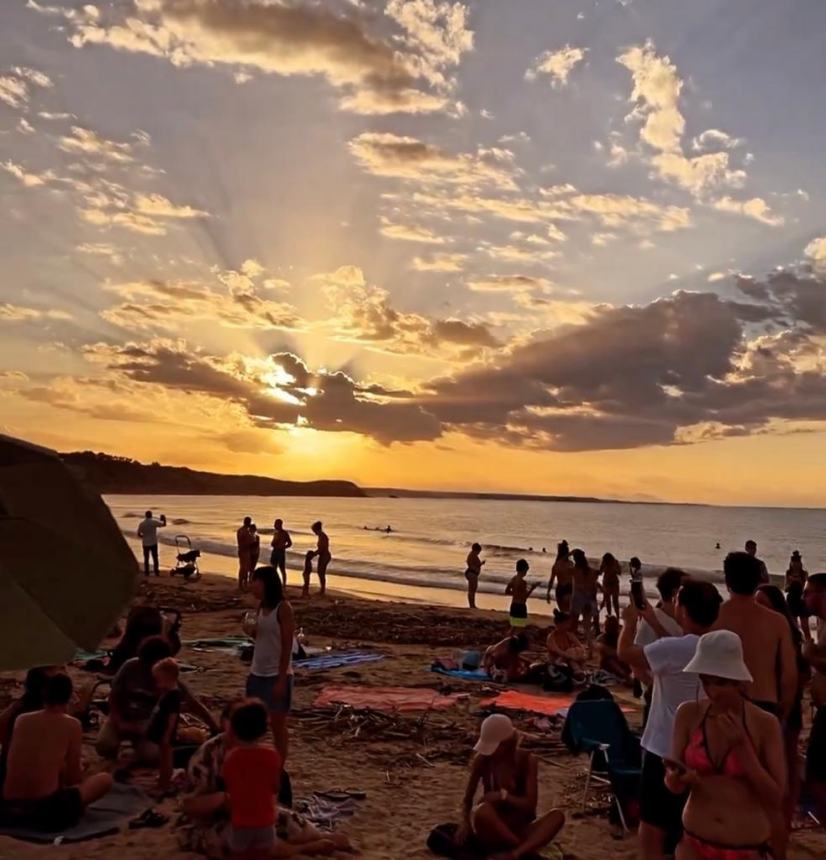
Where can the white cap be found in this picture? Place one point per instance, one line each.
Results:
(720, 653)
(496, 729)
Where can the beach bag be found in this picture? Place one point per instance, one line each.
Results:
(559, 679)
(594, 693)
(537, 674)
(442, 841)
(469, 660)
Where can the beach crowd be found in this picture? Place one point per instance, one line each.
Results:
(723, 681)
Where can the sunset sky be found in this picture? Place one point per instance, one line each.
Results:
(559, 246)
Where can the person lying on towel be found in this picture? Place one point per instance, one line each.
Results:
(506, 661)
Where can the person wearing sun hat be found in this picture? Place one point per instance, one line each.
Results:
(729, 754)
(503, 820)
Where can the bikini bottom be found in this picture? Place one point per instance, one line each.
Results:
(707, 850)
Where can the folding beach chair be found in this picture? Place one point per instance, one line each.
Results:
(599, 729)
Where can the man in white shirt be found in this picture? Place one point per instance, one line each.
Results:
(668, 584)
(664, 660)
(148, 533)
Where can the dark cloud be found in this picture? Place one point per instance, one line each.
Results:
(800, 295)
(680, 368)
(686, 368)
(280, 391)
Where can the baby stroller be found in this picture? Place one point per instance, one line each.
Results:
(186, 560)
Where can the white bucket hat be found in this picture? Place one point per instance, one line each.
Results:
(720, 653)
(496, 729)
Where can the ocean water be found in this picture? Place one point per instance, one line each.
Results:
(430, 538)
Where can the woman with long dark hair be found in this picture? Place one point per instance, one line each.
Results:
(796, 578)
(585, 603)
(772, 597)
(271, 673)
(562, 574)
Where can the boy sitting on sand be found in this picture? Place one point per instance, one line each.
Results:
(44, 787)
(163, 724)
(520, 591)
(251, 773)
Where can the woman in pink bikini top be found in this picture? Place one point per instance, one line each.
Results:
(729, 755)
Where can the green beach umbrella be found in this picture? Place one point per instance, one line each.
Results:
(66, 572)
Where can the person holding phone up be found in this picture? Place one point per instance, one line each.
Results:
(664, 660)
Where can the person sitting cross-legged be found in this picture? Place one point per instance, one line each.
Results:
(204, 828)
(504, 821)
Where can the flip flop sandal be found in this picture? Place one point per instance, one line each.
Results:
(150, 819)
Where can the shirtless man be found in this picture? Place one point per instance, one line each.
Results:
(520, 591)
(751, 549)
(245, 539)
(815, 599)
(767, 640)
(322, 553)
(44, 787)
(281, 542)
(563, 574)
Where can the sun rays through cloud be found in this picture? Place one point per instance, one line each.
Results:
(550, 235)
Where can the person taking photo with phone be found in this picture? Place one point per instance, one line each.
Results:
(664, 661)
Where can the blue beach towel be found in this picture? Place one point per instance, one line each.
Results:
(462, 674)
(229, 644)
(107, 816)
(337, 659)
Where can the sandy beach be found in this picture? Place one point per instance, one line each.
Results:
(412, 767)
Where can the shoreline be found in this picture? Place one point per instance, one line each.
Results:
(490, 595)
(384, 591)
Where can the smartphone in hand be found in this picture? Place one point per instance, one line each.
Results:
(638, 594)
(673, 764)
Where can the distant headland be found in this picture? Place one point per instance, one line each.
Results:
(109, 474)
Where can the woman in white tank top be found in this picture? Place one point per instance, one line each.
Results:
(271, 673)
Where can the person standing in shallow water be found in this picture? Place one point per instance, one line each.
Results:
(281, 542)
(148, 533)
(472, 573)
(520, 591)
(322, 553)
(584, 604)
(563, 574)
(610, 570)
(245, 541)
(751, 549)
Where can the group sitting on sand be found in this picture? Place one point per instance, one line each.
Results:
(724, 680)
(236, 793)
